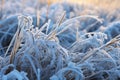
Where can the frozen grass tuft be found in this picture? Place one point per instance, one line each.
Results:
(60, 43)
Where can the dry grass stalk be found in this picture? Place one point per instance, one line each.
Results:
(48, 3)
(54, 32)
(16, 45)
(2, 3)
(61, 19)
(11, 43)
(1, 8)
(38, 17)
(18, 37)
(38, 13)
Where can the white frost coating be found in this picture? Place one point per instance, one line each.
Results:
(71, 70)
(54, 78)
(15, 75)
(65, 48)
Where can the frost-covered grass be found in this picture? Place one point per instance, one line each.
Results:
(58, 41)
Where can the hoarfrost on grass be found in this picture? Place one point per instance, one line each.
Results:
(63, 46)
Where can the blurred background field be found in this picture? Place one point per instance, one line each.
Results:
(108, 5)
(102, 8)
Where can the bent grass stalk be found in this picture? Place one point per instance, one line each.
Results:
(90, 53)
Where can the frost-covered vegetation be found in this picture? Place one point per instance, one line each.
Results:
(60, 41)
